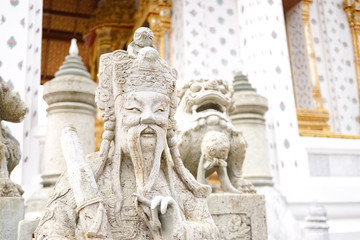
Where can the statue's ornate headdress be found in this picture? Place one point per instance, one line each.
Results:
(138, 69)
(147, 72)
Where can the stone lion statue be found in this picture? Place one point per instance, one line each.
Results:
(208, 141)
(12, 109)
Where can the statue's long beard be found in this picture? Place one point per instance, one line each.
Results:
(146, 172)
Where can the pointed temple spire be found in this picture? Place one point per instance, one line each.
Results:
(73, 64)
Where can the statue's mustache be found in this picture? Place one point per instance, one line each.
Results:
(149, 130)
(134, 135)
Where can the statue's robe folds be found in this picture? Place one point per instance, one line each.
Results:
(61, 220)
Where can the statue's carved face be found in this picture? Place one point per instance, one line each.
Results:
(141, 128)
(144, 112)
(144, 108)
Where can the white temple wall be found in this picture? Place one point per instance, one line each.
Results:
(265, 59)
(13, 47)
(205, 39)
(332, 172)
(20, 48)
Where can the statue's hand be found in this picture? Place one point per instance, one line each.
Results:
(165, 210)
(169, 214)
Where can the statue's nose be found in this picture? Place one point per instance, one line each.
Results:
(147, 118)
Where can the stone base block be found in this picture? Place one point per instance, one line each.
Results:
(240, 217)
(11, 212)
(35, 205)
(27, 228)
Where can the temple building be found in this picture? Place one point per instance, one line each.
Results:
(303, 56)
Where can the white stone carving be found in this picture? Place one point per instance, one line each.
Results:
(208, 141)
(316, 226)
(137, 176)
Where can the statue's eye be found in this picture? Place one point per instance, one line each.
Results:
(133, 109)
(160, 110)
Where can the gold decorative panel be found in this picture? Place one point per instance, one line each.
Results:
(312, 122)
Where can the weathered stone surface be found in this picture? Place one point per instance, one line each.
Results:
(239, 217)
(136, 186)
(11, 212)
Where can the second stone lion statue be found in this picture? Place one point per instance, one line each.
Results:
(208, 141)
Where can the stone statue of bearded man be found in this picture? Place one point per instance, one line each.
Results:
(144, 190)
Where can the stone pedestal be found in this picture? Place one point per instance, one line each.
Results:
(11, 212)
(27, 228)
(71, 100)
(248, 117)
(35, 205)
(239, 217)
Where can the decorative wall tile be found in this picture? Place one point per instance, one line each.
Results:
(3, 19)
(14, 3)
(11, 42)
(210, 36)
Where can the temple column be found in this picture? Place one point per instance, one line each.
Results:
(265, 60)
